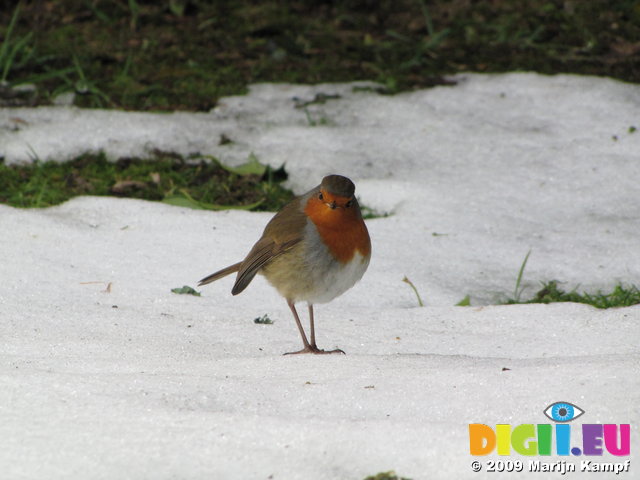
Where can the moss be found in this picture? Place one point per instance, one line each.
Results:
(163, 177)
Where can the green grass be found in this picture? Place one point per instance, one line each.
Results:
(13, 52)
(196, 182)
(139, 54)
(386, 476)
(620, 296)
(518, 289)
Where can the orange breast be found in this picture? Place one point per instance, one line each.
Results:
(341, 229)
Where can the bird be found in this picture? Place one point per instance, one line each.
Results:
(313, 250)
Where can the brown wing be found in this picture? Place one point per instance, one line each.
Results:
(283, 232)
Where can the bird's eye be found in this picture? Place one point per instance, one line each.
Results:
(349, 203)
(321, 197)
(563, 412)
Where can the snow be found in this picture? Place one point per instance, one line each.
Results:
(107, 374)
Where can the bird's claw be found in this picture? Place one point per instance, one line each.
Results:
(316, 351)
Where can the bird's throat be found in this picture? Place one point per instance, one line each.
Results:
(342, 230)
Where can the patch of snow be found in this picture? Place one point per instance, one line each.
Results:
(107, 374)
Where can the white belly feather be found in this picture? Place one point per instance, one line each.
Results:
(338, 279)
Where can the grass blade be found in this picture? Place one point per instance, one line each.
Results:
(518, 290)
(415, 290)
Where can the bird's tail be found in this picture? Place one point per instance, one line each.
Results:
(220, 273)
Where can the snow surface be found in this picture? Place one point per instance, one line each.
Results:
(107, 374)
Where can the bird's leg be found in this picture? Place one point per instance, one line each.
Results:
(312, 326)
(313, 336)
(308, 347)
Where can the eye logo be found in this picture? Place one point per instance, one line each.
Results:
(563, 412)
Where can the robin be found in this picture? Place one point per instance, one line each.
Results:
(314, 249)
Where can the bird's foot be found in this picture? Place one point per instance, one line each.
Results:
(315, 350)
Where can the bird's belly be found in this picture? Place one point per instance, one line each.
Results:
(337, 279)
(309, 272)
